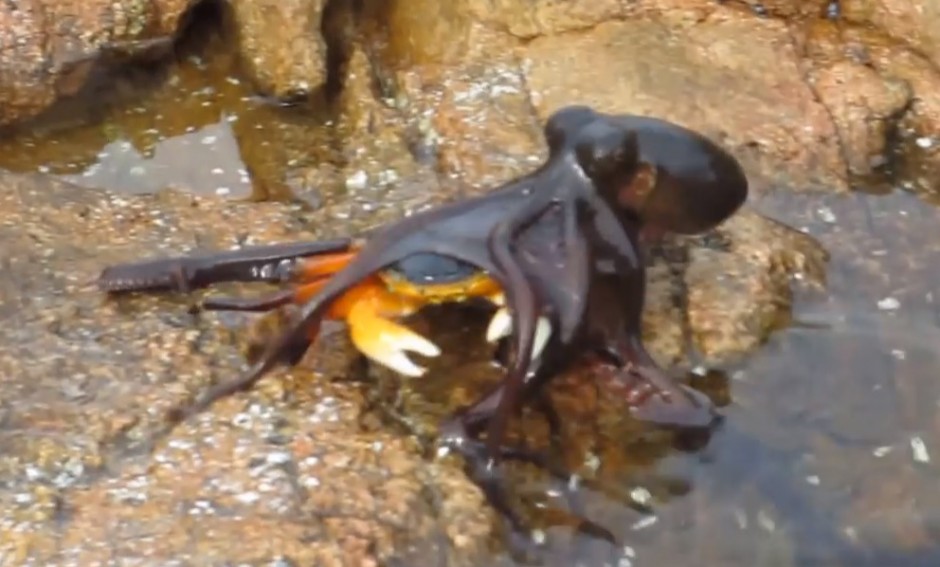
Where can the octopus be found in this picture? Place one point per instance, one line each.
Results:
(557, 252)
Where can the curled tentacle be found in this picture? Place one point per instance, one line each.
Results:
(524, 311)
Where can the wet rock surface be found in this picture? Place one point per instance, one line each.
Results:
(915, 23)
(284, 472)
(292, 65)
(877, 91)
(832, 98)
(53, 50)
(827, 101)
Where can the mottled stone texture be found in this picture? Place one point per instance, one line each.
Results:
(48, 49)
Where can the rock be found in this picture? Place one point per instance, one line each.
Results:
(789, 9)
(865, 107)
(281, 46)
(750, 257)
(872, 86)
(915, 23)
(52, 50)
(283, 472)
(814, 116)
(668, 64)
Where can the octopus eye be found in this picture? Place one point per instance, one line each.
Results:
(564, 123)
(608, 155)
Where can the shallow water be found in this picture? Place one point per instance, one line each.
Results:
(193, 124)
(829, 450)
(837, 416)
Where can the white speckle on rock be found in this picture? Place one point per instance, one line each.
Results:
(357, 180)
(310, 461)
(23, 498)
(924, 142)
(644, 523)
(279, 458)
(826, 214)
(35, 473)
(919, 449)
(181, 444)
(888, 304)
(765, 521)
(592, 462)
(641, 495)
(388, 176)
(248, 497)
(881, 451)
(851, 533)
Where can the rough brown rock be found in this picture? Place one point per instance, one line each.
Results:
(286, 472)
(280, 45)
(872, 85)
(864, 107)
(50, 50)
(915, 23)
(776, 257)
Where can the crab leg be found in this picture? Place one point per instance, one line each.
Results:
(311, 272)
(185, 273)
(365, 308)
(311, 269)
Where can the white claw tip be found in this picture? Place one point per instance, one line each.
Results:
(500, 325)
(543, 331)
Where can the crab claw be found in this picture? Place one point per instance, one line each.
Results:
(385, 342)
(501, 326)
(382, 340)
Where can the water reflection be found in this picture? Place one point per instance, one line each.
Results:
(212, 149)
(199, 128)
